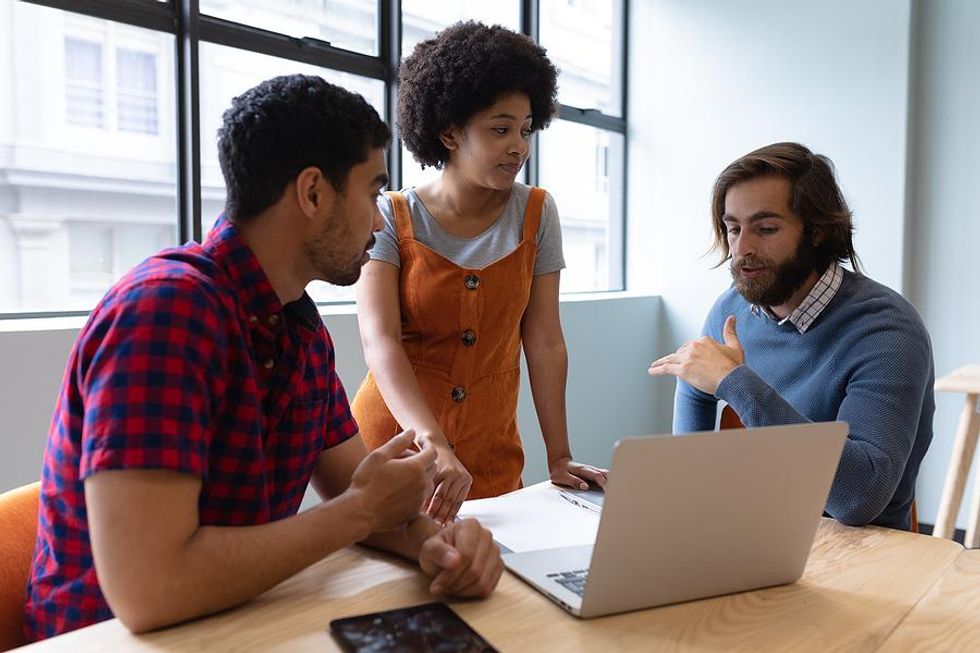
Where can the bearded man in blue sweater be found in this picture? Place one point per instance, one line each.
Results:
(814, 341)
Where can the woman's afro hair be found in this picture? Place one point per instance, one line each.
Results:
(463, 70)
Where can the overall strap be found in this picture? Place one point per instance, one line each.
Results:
(403, 219)
(532, 215)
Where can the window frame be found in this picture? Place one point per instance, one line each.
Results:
(183, 20)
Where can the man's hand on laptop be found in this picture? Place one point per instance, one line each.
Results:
(567, 472)
(462, 559)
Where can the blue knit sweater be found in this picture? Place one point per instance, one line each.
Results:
(866, 360)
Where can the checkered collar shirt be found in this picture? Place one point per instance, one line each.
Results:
(191, 364)
(813, 304)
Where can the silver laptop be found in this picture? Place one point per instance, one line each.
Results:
(687, 517)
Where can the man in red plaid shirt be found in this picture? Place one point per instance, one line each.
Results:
(201, 398)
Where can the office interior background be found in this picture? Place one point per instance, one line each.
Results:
(107, 154)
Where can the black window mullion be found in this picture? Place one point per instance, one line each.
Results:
(391, 47)
(303, 49)
(188, 122)
(593, 118)
(157, 16)
(624, 111)
(529, 25)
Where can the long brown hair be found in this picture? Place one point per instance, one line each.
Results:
(814, 196)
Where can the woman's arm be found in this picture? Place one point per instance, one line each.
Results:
(547, 363)
(379, 320)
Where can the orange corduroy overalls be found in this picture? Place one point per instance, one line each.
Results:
(461, 330)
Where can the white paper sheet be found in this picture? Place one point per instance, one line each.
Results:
(537, 517)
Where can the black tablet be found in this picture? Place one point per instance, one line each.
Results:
(420, 628)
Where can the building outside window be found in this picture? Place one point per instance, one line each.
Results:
(88, 128)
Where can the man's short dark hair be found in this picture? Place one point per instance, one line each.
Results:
(814, 196)
(463, 70)
(276, 129)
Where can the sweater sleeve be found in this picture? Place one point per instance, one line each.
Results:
(882, 403)
(693, 409)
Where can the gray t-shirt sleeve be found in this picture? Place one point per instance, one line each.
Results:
(386, 241)
(550, 257)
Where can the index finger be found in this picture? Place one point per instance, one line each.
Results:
(661, 367)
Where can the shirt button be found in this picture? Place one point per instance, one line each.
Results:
(468, 338)
(269, 364)
(252, 319)
(471, 281)
(458, 394)
(273, 319)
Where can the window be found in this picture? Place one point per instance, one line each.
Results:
(421, 19)
(585, 39)
(83, 83)
(87, 156)
(90, 127)
(124, 100)
(582, 155)
(576, 163)
(347, 24)
(136, 91)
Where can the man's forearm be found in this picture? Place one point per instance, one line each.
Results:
(220, 566)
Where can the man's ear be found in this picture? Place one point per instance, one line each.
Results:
(314, 192)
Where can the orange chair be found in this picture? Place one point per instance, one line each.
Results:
(18, 523)
(730, 420)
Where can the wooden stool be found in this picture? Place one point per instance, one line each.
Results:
(966, 380)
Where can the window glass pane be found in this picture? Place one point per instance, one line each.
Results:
(227, 72)
(81, 199)
(412, 172)
(136, 85)
(582, 167)
(421, 19)
(348, 24)
(584, 39)
(83, 82)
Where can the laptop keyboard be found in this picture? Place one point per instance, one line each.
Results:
(573, 581)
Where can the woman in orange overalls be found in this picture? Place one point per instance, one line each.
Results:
(466, 271)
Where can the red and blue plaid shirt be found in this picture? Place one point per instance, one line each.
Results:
(189, 363)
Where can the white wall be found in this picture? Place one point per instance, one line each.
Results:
(944, 216)
(610, 342)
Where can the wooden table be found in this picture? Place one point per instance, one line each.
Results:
(948, 617)
(858, 586)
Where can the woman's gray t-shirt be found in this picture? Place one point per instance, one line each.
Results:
(497, 241)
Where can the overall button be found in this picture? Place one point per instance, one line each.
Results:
(468, 338)
(471, 281)
(458, 394)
